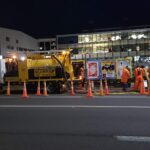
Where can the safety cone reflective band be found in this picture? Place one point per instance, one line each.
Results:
(72, 89)
(38, 89)
(148, 89)
(8, 89)
(89, 90)
(101, 89)
(142, 88)
(106, 88)
(25, 95)
(45, 89)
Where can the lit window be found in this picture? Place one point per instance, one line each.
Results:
(138, 48)
(141, 36)
(113, 38)
(133, 36)
(118, 37)
(86, 39)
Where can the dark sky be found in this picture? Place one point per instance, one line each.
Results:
(45, 18)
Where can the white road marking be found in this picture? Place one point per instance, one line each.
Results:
(72, 106)
(133, 138)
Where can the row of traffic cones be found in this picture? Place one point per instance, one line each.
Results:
(25, 95)
(101, 92)
(106, 91)
(89, 94)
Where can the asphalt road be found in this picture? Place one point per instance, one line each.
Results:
(75, 123)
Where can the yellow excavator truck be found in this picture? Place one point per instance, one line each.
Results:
(54, 67)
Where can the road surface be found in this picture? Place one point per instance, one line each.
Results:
(75, 123)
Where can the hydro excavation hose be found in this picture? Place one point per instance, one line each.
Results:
(67, 83)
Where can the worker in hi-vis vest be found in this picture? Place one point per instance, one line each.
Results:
(125, 77)
(138, 73)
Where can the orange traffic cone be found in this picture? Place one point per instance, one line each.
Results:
(45, 89)
(148, 89)
(106, 88)
(89, 90)
(72, 89)
(142, 88)
(25, 95)
(101, 88)
(8, 89)
(38, 89)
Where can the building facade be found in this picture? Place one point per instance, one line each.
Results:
(12, 41)
(109, 44)
(46, 44)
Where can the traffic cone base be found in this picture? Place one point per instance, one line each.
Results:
(25, 96)
(102, 93)
(72, 94)
(38, 94)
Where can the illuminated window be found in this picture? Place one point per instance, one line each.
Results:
(104, 38)
(98, 37)
(94, 37)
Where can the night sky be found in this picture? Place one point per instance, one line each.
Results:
(46, 18)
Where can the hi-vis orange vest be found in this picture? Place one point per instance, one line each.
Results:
(138, 72)
(125, 75)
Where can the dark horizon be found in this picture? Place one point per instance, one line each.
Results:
(42, 19)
